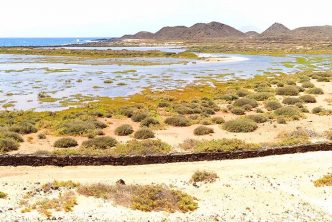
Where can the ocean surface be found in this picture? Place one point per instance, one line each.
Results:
(44, 41)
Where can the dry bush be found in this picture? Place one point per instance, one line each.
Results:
(142, 197)
(204, 176)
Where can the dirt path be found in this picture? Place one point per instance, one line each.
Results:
(275, 188)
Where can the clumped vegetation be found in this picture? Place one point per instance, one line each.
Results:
(3, 195)
(65, 143)
(218, 120)
(240, 125)
(142, 197)
(124, 130)
(291, 100)
(203, 130)
(179, 121)
(316, 91)
(7, 145)
(220, 145)
(308, 99)
(259, 118)
(104, 142)
(203, 176)
(324, 181)
(272, 105)
(298, 136)
(80, 127)
(291, 112)
(142, 147)
(144, 133)
(138, 117)
(23, 128)
(149, 121)
(245, 102)
(288, 91)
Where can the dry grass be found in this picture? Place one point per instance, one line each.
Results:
(204, 176)
(64, 202)
(324, 181)
(142, 197)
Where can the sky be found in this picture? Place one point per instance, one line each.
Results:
(110, 18)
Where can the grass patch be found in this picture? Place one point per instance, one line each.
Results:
(324, 181)
(143, 147)
(104, 142)
(144, 133)
(142, 197)
(124, 130)
(219, 145)
(240, 125)
(65, 143)
(203, 130)
(204, 176)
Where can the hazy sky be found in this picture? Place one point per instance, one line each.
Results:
(108, 18)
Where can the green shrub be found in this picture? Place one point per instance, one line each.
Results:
(228, 97)
(11, 135)
(288, 111)
(295, 137)
(261, 96)
(142, 148)
(3, 195)
(41, 136)
(163, 104)
(308, 85)
(257, 118)
(179, 121)
(238, 111)
(220, 145)
(218, 120)
(281, 120)
(291, 100)
(104, 142)
(79, 127)
(149, 121)
(203, 130)
(245, 101)
(124, 130)
(65, 143)
(204, 176)
(144, 133)
(288, 91)
(7, 145)
(317, 110)
(316, 91)
(272, 105)
(240, 125)
(23, 128)
(308, 99)
(138, 117)
(243, 92)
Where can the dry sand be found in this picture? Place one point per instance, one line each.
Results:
(275, 188)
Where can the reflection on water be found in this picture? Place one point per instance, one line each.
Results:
(68, 79)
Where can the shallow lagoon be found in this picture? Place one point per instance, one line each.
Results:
(68, 80)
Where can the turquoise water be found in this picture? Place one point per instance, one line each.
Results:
(43, 41)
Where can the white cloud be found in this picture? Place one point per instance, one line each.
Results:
(115, 18)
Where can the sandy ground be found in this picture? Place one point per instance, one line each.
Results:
(266, 133)
(275, 188)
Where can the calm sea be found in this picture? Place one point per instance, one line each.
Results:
(43, 41)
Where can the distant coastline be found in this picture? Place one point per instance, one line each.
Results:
(38, 42)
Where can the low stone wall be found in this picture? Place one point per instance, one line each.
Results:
(40, 160)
